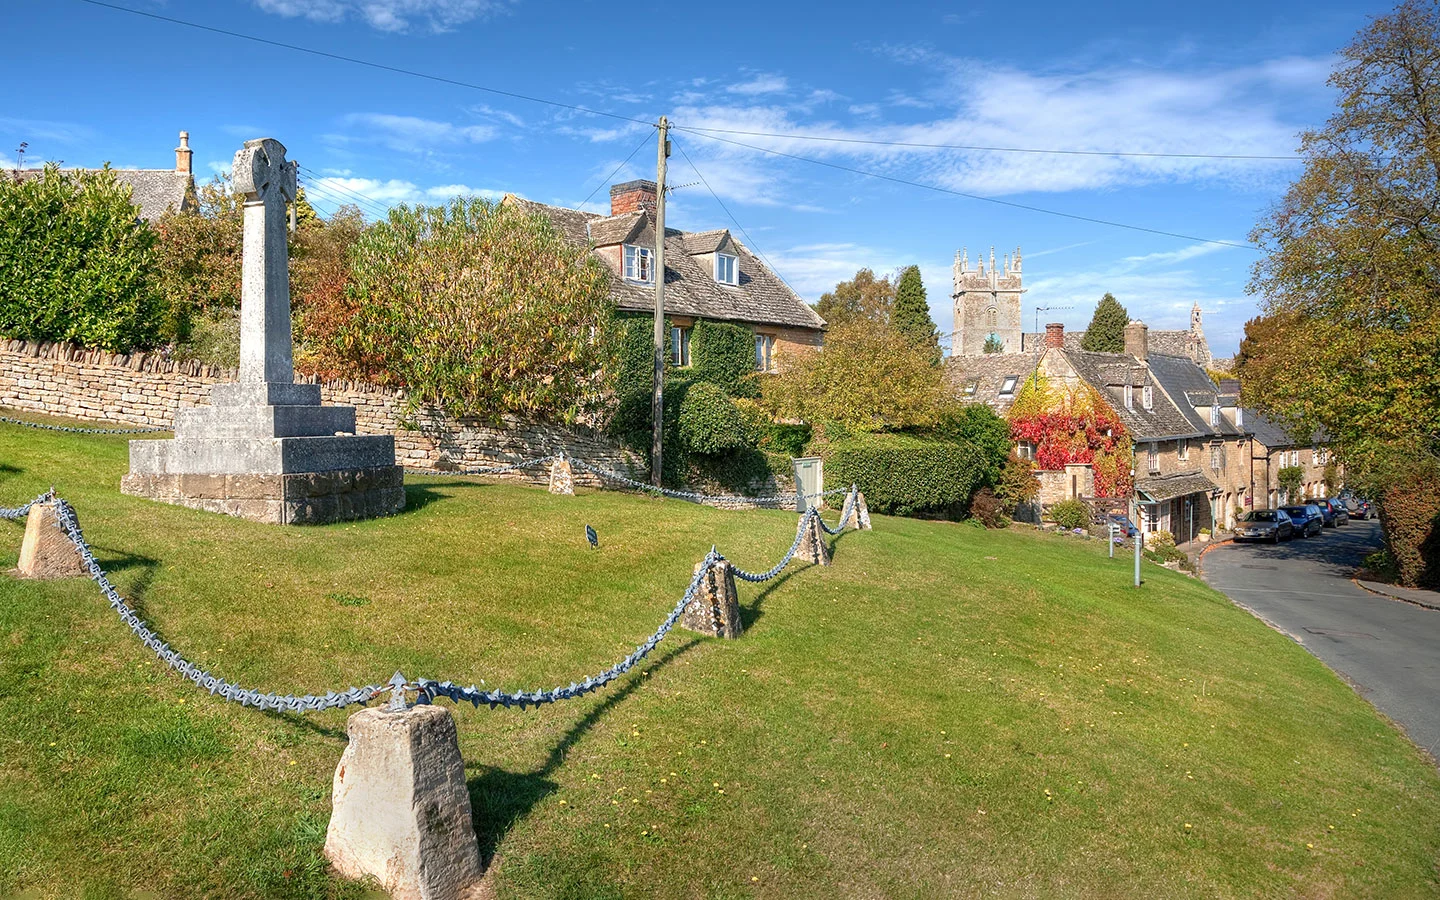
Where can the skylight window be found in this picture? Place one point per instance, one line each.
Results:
(727, 269)
(1007, 387)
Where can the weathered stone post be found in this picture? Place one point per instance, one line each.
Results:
(715, 611)
(401, 810)
(813, 546)
(46, 550)
(562, 480)
(859, 517)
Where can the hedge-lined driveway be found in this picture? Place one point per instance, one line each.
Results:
(1389, 650)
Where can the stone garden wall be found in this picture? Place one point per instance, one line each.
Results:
(145, 389)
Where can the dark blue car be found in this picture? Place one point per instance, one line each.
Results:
(1306, 518)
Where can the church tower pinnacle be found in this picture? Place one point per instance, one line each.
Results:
(987, 304)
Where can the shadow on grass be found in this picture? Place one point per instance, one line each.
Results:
(500, 798)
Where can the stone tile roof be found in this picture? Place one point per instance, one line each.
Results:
(1109, 372)
(690, 289)
(155, 191)
(1190, 387)
(1168, 487)
(1170, 343)
(989, 372)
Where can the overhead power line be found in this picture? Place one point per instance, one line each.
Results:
(643, 141)
(954, 193)
(730, 215)
(347, 194)
(365, 62)
(977, 148)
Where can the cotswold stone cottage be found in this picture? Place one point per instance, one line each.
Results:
(987, 310)
(708, 275)
(154, 191)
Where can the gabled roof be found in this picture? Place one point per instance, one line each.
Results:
(1190, 386)
(990, 372)
(690, 288)
(154, 191)
(1162, 420)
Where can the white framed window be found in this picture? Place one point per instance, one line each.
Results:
(1152, 458)
(971, 387)
(727, 269)
(1025, 450)
(638, 264)
(1129, 396)
(1182, 449)
(765, 352)
(1215, 415)
(1294, 457)
(1217, 457)
(679, 346)
(1147, 397)
(1007, 387)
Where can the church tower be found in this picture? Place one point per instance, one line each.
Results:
(1196, 346)
(987, 304)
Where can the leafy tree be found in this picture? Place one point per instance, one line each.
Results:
(76, 264)
(864, 378)
(993, 345)
(481, 309)
(1017, 483)
(978, 426)
(1290, 479)
(863, 297)
(1106, 333)
(1352, 261)
(911, 313)
(200, 252)
(319, 291)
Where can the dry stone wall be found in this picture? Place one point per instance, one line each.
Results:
(146, 389)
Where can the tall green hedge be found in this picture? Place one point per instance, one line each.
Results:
(906, 475)
(76, 264)
(724, 354)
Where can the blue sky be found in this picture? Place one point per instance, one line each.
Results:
(90, 84)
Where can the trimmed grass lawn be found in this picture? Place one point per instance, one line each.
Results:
(944, 711)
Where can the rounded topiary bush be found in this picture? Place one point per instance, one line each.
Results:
(1070, 514)
(710, 422)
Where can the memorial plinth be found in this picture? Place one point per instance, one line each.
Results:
(265, 449)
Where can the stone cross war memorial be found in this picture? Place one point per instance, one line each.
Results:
(266, 449)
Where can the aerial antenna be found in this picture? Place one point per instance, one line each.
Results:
(1040, 309)
(20, 156)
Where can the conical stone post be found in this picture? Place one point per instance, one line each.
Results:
(562, 479)
(401, 810)
(46, 550)
(859, 517)
(814, 548)
(715, 611)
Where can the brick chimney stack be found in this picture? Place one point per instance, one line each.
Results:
(632, 196)
(1137, 339)
(184, 155)
(1055, 335)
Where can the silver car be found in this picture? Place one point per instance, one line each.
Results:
(1273, 525)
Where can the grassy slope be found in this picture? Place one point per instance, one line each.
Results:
(944, 711)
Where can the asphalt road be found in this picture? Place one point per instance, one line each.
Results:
(1387, 649)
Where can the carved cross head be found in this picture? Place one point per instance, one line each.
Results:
(261, 171)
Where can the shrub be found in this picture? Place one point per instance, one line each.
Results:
(482, 309)
(711, 423)
(1017, 483)
(988, 509)
(1070, 514)
(1410, 514)
(630, 425)
(1381, 564)
(789, 440)
(977, 425)
(724, 354)
(76, 264)
(904, 474)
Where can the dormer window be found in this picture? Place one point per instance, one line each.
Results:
(1215, 415)
(1129, 396)
(1147, 397)
(727, 269)
(638, 265)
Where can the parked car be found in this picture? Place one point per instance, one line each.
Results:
(1333, 512)
(1273, 525)
(1359, 507)
(1127, 528)
(1306, 519)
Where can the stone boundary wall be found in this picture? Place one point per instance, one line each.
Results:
(145, 389)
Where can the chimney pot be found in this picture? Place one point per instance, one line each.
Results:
(632, 196)
(1055, 335)
(184, 155)
(1137, 340)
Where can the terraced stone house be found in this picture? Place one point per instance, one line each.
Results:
(708, 275)
(154, 192)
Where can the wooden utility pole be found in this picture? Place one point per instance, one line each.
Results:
(657, 402)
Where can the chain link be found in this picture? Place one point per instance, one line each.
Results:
(612, 475)
(71, 429)
(20, 512)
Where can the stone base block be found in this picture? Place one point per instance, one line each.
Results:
(46, 551)
(401, 810)
(859, 514)
(298, 498)
(562, 480)
(814, 548)
(715, 611)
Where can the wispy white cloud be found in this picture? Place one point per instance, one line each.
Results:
(38, 131)
(414, 134)
(388, 15)
(760, 84)
(331, 191)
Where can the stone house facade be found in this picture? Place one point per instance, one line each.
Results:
(155, 192)
(708, 275)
